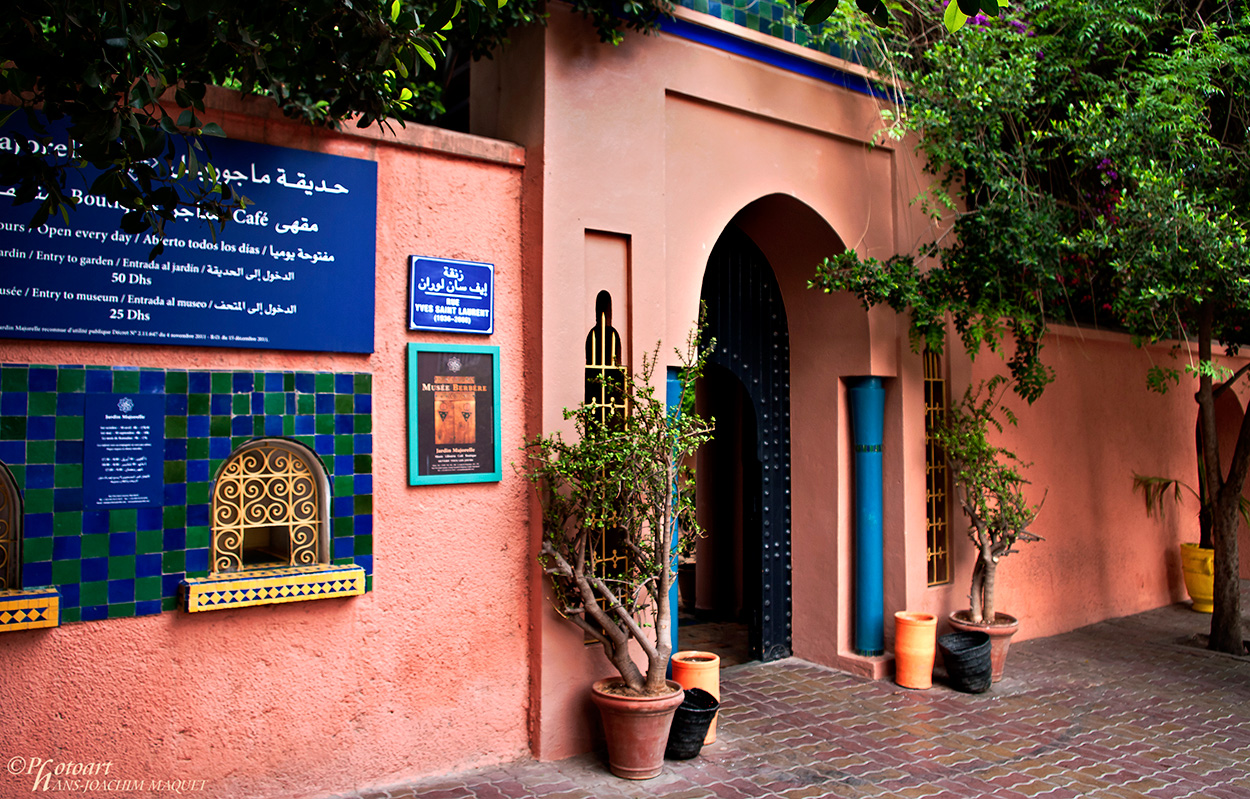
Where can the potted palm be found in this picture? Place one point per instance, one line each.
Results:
(617, 510)
(990, 489)
(1197, 559)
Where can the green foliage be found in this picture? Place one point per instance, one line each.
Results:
(818, 11)
(982, 316)
(1160, 378)
(625, 484)
(110, 66)
(845, 31)
(1177, 239)
(129, 73)
(612, 20)
(954, 17)
(958, 11)
(1098, 153)
(1155, 491)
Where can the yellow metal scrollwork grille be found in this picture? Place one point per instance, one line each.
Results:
(266, 510)
(937, 479)
(605, 376)
(10, 532)
(605, 391)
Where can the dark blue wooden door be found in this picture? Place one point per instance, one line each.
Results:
(747, 318)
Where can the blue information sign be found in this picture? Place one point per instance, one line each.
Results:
(452, 296)
(123, 451)
(293, 270)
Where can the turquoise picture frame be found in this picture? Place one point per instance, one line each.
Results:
(454, 414)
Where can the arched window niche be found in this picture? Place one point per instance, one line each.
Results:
(270, 532)
(605, 378)
(605, 373)
(269, 507)
(10, 531)
(20, 608)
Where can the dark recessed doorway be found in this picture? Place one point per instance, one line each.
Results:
(738, 583)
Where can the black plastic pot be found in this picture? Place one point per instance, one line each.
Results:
(967, 659)
(690, 723)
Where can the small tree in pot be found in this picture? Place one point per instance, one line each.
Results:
(617, 509)
(990, 489)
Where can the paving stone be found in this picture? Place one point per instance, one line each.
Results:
(1117, 710)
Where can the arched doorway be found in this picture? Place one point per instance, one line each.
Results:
(743, 564)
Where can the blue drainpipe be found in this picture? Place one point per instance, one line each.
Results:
(672, 397)
(867, 406)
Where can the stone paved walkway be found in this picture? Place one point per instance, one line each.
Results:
(1120, 709)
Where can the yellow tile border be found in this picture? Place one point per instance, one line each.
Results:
(270, 587)
(29, 609)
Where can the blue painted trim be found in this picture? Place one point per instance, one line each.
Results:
(768, 55)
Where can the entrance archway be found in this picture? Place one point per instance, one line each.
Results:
(743, 567)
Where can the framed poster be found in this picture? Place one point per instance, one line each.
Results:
(453, 414)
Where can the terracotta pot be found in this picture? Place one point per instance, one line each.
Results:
(915, 639)
(1000, 633)
(1198, 566)
(636, 728)
(694, 669)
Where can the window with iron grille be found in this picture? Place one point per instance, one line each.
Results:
(605, 374)
(10, 532)
(605, 391)
(937, 477)
(269, 508)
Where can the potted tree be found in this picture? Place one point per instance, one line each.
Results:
(990, 489)
(617, 510)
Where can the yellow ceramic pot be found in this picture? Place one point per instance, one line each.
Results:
(1198, 565)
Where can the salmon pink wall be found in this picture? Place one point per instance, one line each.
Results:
(427, 673)
(1091, 430)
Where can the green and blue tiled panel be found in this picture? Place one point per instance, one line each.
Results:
(130, 561)
(768, 18)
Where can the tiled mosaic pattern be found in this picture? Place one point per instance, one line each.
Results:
(272, 587)
(130, 561)
(768, 18)
(29, 610)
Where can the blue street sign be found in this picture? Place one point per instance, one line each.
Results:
(451, 296)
